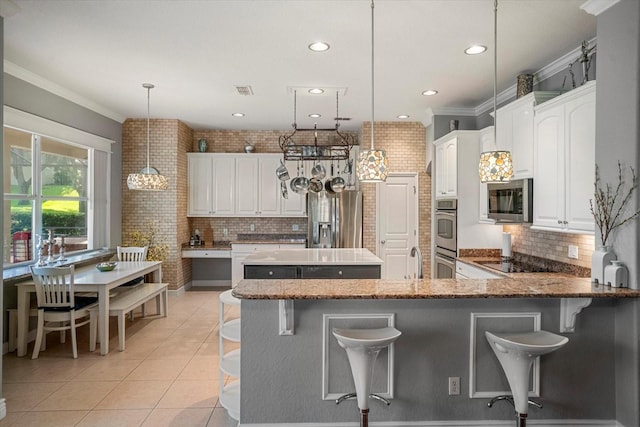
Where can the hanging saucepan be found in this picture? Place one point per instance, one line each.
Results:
(283, 190)
(327, 183)
(337, 182)
(281, 172)
(300, 184)
(315, 185)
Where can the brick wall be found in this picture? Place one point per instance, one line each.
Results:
(405, 144)
(164, 211)
(551, 245)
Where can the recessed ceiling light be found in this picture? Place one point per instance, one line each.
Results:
(319, 46)
(238, 114)
(315, 115)
(430, 92)
(475, 49)
(316, 91)
(403, 116)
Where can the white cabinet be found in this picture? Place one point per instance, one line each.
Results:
(241, 185)
(564, 158)
(467, 271)
(210, 185)
(447, 167)
(515, 131)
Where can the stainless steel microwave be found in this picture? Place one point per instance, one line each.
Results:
(511, 201)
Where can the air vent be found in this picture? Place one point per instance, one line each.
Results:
(244, 90)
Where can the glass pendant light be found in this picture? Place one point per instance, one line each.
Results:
(149, 178)
(373, 165)
(495, 166)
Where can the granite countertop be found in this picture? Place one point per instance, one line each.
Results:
(253, 238)
(216, 246)
(530, 287)
(306, 256)
(478, 262)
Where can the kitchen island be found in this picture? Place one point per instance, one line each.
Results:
(442, 323)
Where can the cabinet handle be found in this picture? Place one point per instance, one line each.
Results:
(559, 222)
(271, 273)
(382, 242)
(566, 222)
(339, 272)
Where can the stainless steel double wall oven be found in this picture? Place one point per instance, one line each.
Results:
(446, 238)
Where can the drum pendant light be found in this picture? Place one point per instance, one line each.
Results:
(495, 166)
(373, 165)
(149, 178)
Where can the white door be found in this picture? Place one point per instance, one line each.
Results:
(397, 216)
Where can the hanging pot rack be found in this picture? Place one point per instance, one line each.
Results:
(338, 149)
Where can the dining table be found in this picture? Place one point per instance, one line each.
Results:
(88, 279)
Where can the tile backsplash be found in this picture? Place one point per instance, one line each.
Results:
(551, 245)
(213, 228)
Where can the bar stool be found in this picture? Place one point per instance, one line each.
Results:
(516, 353)
(362, 347)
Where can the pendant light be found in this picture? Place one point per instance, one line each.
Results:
(495, 166)
(149, 178)
(373, 165)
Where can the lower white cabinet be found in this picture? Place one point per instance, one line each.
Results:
(467, 271)
(564, 159)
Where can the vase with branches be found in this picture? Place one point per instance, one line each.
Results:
(608, 205)
(609, 210)
(147, 237)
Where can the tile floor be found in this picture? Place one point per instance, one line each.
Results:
(167, 376)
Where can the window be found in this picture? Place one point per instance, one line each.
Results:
(51, 183)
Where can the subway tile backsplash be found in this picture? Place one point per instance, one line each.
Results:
(551, 245)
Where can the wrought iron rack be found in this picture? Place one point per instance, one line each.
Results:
(338, 149)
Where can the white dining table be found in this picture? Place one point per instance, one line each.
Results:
(88, 279)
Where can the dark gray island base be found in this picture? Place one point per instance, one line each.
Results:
(312, 271)
(294, 379)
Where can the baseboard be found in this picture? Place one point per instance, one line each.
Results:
(181, 290)
(457, 423)
(213, 283)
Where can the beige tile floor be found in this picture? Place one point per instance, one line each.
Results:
(167, 376)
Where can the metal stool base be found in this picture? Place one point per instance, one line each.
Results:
(521, 419)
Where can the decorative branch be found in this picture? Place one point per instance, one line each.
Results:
(608, 205)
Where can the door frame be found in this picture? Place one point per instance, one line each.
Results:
(415, 177)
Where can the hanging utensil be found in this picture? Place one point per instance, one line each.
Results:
(327, 183)
(283, 190)
(300, 184)
(281, 172)
(318, 171)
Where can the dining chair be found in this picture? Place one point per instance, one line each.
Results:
(59, 309)
(132, 253)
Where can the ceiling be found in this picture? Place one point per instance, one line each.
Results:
(98, 54)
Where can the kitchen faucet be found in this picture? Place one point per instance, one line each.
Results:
(415, 251)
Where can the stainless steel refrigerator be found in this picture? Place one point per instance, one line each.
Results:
(335, 220)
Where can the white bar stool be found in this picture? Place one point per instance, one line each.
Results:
(363, 347)
(516, 353)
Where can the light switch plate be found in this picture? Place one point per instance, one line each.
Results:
(573, 252)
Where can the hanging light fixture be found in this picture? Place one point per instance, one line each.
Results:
(495, 166)
(149, 178)
(373, 165)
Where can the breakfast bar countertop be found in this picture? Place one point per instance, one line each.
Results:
(529, 287)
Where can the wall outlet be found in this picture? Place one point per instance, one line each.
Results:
(225, 232)
(454, 386)
(573, 252)
(252, 227)
(295, 227)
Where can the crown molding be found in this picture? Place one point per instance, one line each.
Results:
(541, 75)
(596, 7)
(45, 84)
(453, 111)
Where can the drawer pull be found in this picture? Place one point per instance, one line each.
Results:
(271, 273)
(339, 272)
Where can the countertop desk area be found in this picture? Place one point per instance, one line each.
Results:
(442, 323)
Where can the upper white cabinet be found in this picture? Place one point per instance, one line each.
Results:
(515, 131)
(210, 184)
(222, 184)
(447, 167)
(564, 159)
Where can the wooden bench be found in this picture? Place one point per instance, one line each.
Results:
(127, 301)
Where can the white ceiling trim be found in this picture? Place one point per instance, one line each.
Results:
(543, 74)
(28, 122)
(596, 7)
(45, 84)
